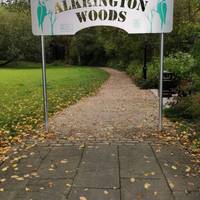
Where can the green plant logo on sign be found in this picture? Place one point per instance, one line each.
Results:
(159, 9)
(42, 12)
(162, 11)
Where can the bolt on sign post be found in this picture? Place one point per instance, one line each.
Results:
(67, 17)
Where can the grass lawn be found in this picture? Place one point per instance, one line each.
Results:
(21, 103)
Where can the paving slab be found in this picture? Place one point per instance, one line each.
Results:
(12, 184)
(171, 153)
(42, 189)
(94, 194)
(49, 185)
(99, 168)
(138, 161)
(62, 162)
(189, 196)
(173, 169)
(7, 195)
(40, 196)
(99, 172)
(24, 162)
(145, 189)
(184, 183)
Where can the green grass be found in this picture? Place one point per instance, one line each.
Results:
(21, 103)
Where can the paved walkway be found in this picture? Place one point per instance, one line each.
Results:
(100, 172)
(119, 110)
(122, 169)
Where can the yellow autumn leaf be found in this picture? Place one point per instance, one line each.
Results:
(106, 192)
(132, 180)
(68, 185)
(5, 169)
(14, 176)
(20, 179)
(63, 161)
(188, 169)
(147, 186)
(2, 180)
(155, 193)
(83, 198)
(171, 185)
(27, 189)
(174, 167)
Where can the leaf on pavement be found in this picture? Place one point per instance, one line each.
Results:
(147, 186)
(83, 198)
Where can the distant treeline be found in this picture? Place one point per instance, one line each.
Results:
(105, 46)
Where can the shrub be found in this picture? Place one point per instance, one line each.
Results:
(187, 108)
(135, 70)
(181, 64)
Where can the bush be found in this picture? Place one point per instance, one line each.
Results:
(16, 39)
(187, 108)
(135, 70)
(181, 64)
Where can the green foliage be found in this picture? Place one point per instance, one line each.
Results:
(21, 104)
(181, 64)
(86, 49)
(16, 39)
(135, 70)
(187, 108)
(196, 53)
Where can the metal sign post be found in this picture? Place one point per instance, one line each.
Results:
(44, 83)
(161, 82)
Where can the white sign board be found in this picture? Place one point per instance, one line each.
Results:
(67, 17)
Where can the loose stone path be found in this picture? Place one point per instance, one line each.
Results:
(119, 110)
(108, 162)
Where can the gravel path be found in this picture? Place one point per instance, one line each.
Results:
(119, 110)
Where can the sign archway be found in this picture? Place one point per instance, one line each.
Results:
(67, 17)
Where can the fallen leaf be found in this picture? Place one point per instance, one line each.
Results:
(174, 167)
(166, 165)
(83, 198)
(188, 169)
(171, 185)
(153, 173)
(147, 186)
(14, 165)
(50, 184)
(5, 169)
(26, 175)
(106, 192)
(63, 161)
(146, 174)
(20, 179)
(82, 146)
(2, 180)
(132, 180)
(27, 189)
(14, 176)
(68, 185)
